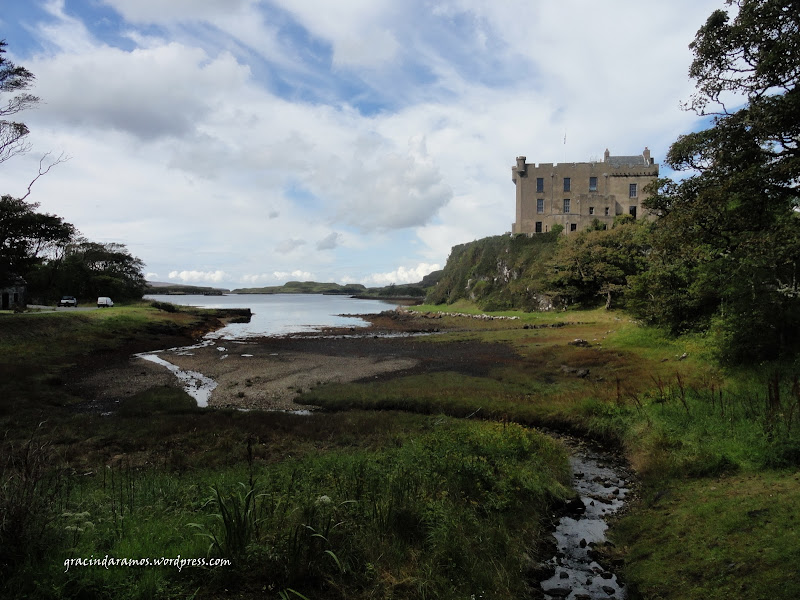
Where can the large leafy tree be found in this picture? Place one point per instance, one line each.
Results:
(87, 270)
(27, 237)
(727, 246)
(595, 264)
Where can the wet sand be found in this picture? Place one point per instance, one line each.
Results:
(269, 373)
(258, 376)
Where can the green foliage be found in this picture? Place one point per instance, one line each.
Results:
(27, 236)
(31, 487)
(442, 510)
(498, 273)
(88, 270)
(236, 513)
(726, 248)
(597, 263)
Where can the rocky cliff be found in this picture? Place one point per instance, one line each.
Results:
(498, 273)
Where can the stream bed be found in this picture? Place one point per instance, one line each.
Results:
(603, 483)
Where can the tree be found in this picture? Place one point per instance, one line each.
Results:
(26, 236)
(88, 270)
(597, 263)
(727, 246)
(14, 79)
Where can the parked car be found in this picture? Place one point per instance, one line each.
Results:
(68, 301)
(104, 301)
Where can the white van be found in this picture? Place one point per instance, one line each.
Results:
(104, 301)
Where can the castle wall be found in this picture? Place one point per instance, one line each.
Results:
(541, 193)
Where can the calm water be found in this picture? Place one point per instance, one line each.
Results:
(281, 314)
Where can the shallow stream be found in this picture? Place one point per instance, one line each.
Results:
(602, 483)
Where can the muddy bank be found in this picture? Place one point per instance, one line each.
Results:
(269, 373)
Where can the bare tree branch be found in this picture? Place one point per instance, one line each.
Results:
(45, 170)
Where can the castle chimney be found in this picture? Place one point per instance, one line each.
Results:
(646, 155)
(521, 164)
(606, 154)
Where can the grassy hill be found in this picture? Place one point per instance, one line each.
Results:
(158, 287)
(305, 287)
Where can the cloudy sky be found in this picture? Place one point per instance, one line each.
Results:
(251, 142)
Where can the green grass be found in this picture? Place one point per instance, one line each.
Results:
(730, 537)
(365, 501)
(441, 508)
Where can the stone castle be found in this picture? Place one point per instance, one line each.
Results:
(575, 194)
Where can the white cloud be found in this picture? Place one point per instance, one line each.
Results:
(151, 276)
(149, 93)
(277, 277)
(199, 276)
(402, 275)
(236, 140)
(296, 275)
(360, 31)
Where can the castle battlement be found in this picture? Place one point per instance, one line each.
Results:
(576, 194)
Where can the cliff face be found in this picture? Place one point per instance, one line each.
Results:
(498, 273)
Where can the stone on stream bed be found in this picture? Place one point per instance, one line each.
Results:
(574, 572)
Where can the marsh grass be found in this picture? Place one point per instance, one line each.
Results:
(376, 503)
(441, 507)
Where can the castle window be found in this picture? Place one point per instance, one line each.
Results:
(540, 184)
(632, 211)
(566, 205)
(591, 210)
(573, 226)
(592, 184)
(606, 211)
(540, 205)
(632, 190)
(538, 227)
(566, 184)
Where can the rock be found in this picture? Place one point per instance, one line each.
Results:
(575, 505)
(582, 597)
(609, 590)
(582, 372)
(579, 342)
(563, 575)
(582, 543)
(606, 575)
(558, 592)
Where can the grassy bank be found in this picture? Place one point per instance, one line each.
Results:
(712, 447)
(348, 505)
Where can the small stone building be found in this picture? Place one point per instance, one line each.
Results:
(575, 194)
(12, 293)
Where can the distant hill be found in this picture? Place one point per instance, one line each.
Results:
(161, 287)
(407, 290)
(305, 287)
